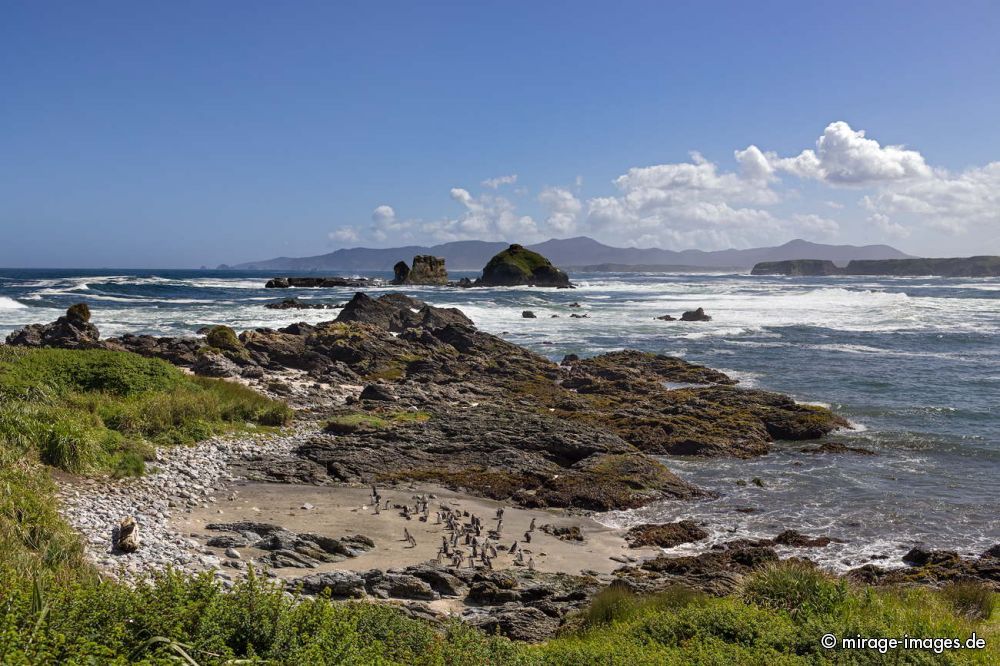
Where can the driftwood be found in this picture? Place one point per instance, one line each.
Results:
(127, 539)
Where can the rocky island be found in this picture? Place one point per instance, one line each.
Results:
(984, 266)
(426, 270)
(518, 265)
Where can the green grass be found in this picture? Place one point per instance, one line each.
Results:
(93, 411)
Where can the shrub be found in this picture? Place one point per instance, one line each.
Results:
(223, 337)
(795, 587)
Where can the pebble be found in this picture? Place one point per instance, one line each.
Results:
(181, 474)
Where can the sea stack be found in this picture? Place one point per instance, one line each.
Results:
(519, 266)
(426, 270)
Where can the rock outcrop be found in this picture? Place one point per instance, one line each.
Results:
(665, 536)
(935, 567)
(519, 266)
(397, 312)
(71, 331)
(426, 270)
(296, 304)
(796, 267)
(298, 281)
(695, 315)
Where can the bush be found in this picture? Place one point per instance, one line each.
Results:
(795, 587)
(224, 338)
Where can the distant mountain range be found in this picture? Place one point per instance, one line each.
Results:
(570, 253)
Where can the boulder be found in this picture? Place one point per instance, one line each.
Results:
(127, 535)
(519, 266)
(665, 536)
(440, 580)
(528, 314)
(521, 624)
(695, 315)
(379, 393)
(389, 585)
(343, 584)
(397, 312)
(212, 364)
(666, 318)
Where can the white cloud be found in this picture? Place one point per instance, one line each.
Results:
(887, 227)
(954, 203)
(688, 204)
(494, 183)
(344, 235)
(563, 210)
(698, 203)
(383, 214)
(845, 156)
(815, 225)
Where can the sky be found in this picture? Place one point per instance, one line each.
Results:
(185, 133)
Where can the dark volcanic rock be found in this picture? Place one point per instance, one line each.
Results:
(426, 270)
(665, 536)
(211, 364)
(570, 533)
(695, 315)
(666, 318)
(343, 584)
(798, 540)
(398, 586)
(521, 624)
(716, 572)
(396, 312)
(286, 282)
(934, 567)
(528, 314)
(519, 266)
(296, 304)
(71, 331)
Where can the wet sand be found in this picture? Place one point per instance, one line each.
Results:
(341, 510)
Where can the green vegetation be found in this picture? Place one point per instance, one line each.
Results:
(519, 265)
(183, 619)
(368, 421)
(100, 411)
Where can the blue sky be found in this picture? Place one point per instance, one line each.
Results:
(189, 133)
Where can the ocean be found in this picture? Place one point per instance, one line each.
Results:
(913, 363)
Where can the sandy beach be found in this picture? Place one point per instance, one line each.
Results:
(337, 511)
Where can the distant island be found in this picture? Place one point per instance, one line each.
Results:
(982, 266)
(578, 252)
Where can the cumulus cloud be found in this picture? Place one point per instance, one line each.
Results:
(494, 183)
(954, 203)
(563, 210)
(844, 156)
(688, 204)
(383, 214)
(887, 227)
(699, 203)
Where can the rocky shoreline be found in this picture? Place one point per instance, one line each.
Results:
(403, 396)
